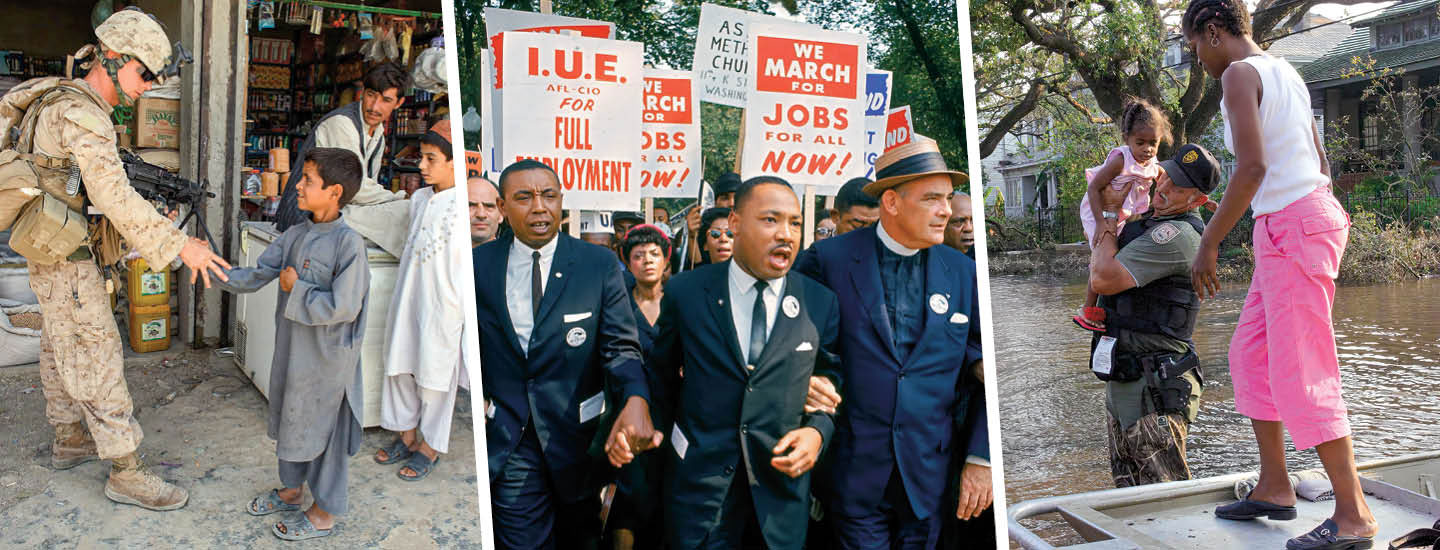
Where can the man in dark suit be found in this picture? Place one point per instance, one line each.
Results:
(555, 324)
(749, 335)
(911, 360)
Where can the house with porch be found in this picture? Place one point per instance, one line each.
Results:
(1403, 37)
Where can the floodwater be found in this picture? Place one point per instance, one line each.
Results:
(1052, 408)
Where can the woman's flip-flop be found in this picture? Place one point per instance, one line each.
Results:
(298, 527)
(1425, 538)
(1251, 509)
(1326, 537)
(397, 451)
(270, 503)
(420, 464)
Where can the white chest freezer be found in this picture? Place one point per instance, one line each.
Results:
(255, 320)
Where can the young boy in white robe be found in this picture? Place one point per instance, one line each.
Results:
(422, 348)
(315, 382)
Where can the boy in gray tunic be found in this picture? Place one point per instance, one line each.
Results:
(315, 382)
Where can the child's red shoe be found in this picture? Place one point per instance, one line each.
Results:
(1091, 319)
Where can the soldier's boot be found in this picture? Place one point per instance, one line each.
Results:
(72, 447)
(131, 482)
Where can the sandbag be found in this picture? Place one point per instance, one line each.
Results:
(15, 286)
(19, 345)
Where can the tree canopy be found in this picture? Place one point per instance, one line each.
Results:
(1035, 53)
(917, 40)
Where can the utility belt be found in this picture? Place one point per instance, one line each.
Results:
(1163, 373)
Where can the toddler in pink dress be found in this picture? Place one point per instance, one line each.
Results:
(1142, 128)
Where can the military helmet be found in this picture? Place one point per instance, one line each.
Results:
(139, 35)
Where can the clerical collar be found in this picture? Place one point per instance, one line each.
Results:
(892, 244)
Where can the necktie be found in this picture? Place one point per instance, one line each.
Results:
(535, 285)
(757, 323)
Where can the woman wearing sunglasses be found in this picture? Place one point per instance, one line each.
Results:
(716, 239)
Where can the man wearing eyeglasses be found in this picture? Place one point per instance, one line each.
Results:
(67, 137)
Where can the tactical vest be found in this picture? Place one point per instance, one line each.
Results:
(1167, 307)
(51, 226)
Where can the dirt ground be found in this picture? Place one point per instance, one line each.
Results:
(205, 430)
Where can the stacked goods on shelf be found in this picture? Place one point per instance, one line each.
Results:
(16, 63)
(271, 50)
(350, 71)
(270, 77)
(263, 100)
(411, 121)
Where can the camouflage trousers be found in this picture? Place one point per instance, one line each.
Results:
(82, 365)
(1150, 451)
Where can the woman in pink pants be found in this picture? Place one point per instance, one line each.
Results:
(1283, 361)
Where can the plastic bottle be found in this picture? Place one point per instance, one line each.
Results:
(252, 183)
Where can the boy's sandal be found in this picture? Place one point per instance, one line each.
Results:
(396, 452)
(270, 503)
(420, 464)
(298, 527)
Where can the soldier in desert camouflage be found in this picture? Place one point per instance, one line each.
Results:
(65, 123)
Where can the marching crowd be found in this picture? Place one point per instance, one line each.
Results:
(649, 389)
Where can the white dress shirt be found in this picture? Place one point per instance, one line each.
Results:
(742, 304)
(517, 286)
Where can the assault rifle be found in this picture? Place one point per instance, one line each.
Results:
(158, 184)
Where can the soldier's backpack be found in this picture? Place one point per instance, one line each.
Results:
(37, 196)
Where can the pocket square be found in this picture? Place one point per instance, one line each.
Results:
(804, 346)
(576, 317)
(959, 318)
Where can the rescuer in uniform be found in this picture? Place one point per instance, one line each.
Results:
(1146, 355)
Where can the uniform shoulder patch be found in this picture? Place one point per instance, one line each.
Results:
(1164, 233)
(88, 117)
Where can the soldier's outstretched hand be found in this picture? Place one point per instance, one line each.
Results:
(202, 261)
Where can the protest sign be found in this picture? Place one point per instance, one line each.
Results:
(474, 164)
(877, 104)
(575, 103)
(721, 62)
(487, 119)
(499, 21)
(899, 127)
(805, 110)
(670, 156)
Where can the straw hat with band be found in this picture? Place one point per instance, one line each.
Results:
(910, 162)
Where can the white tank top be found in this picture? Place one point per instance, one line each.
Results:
(1286, 122)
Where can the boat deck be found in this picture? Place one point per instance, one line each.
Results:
(1180, 515)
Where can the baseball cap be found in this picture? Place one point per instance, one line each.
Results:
(1193, 167)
